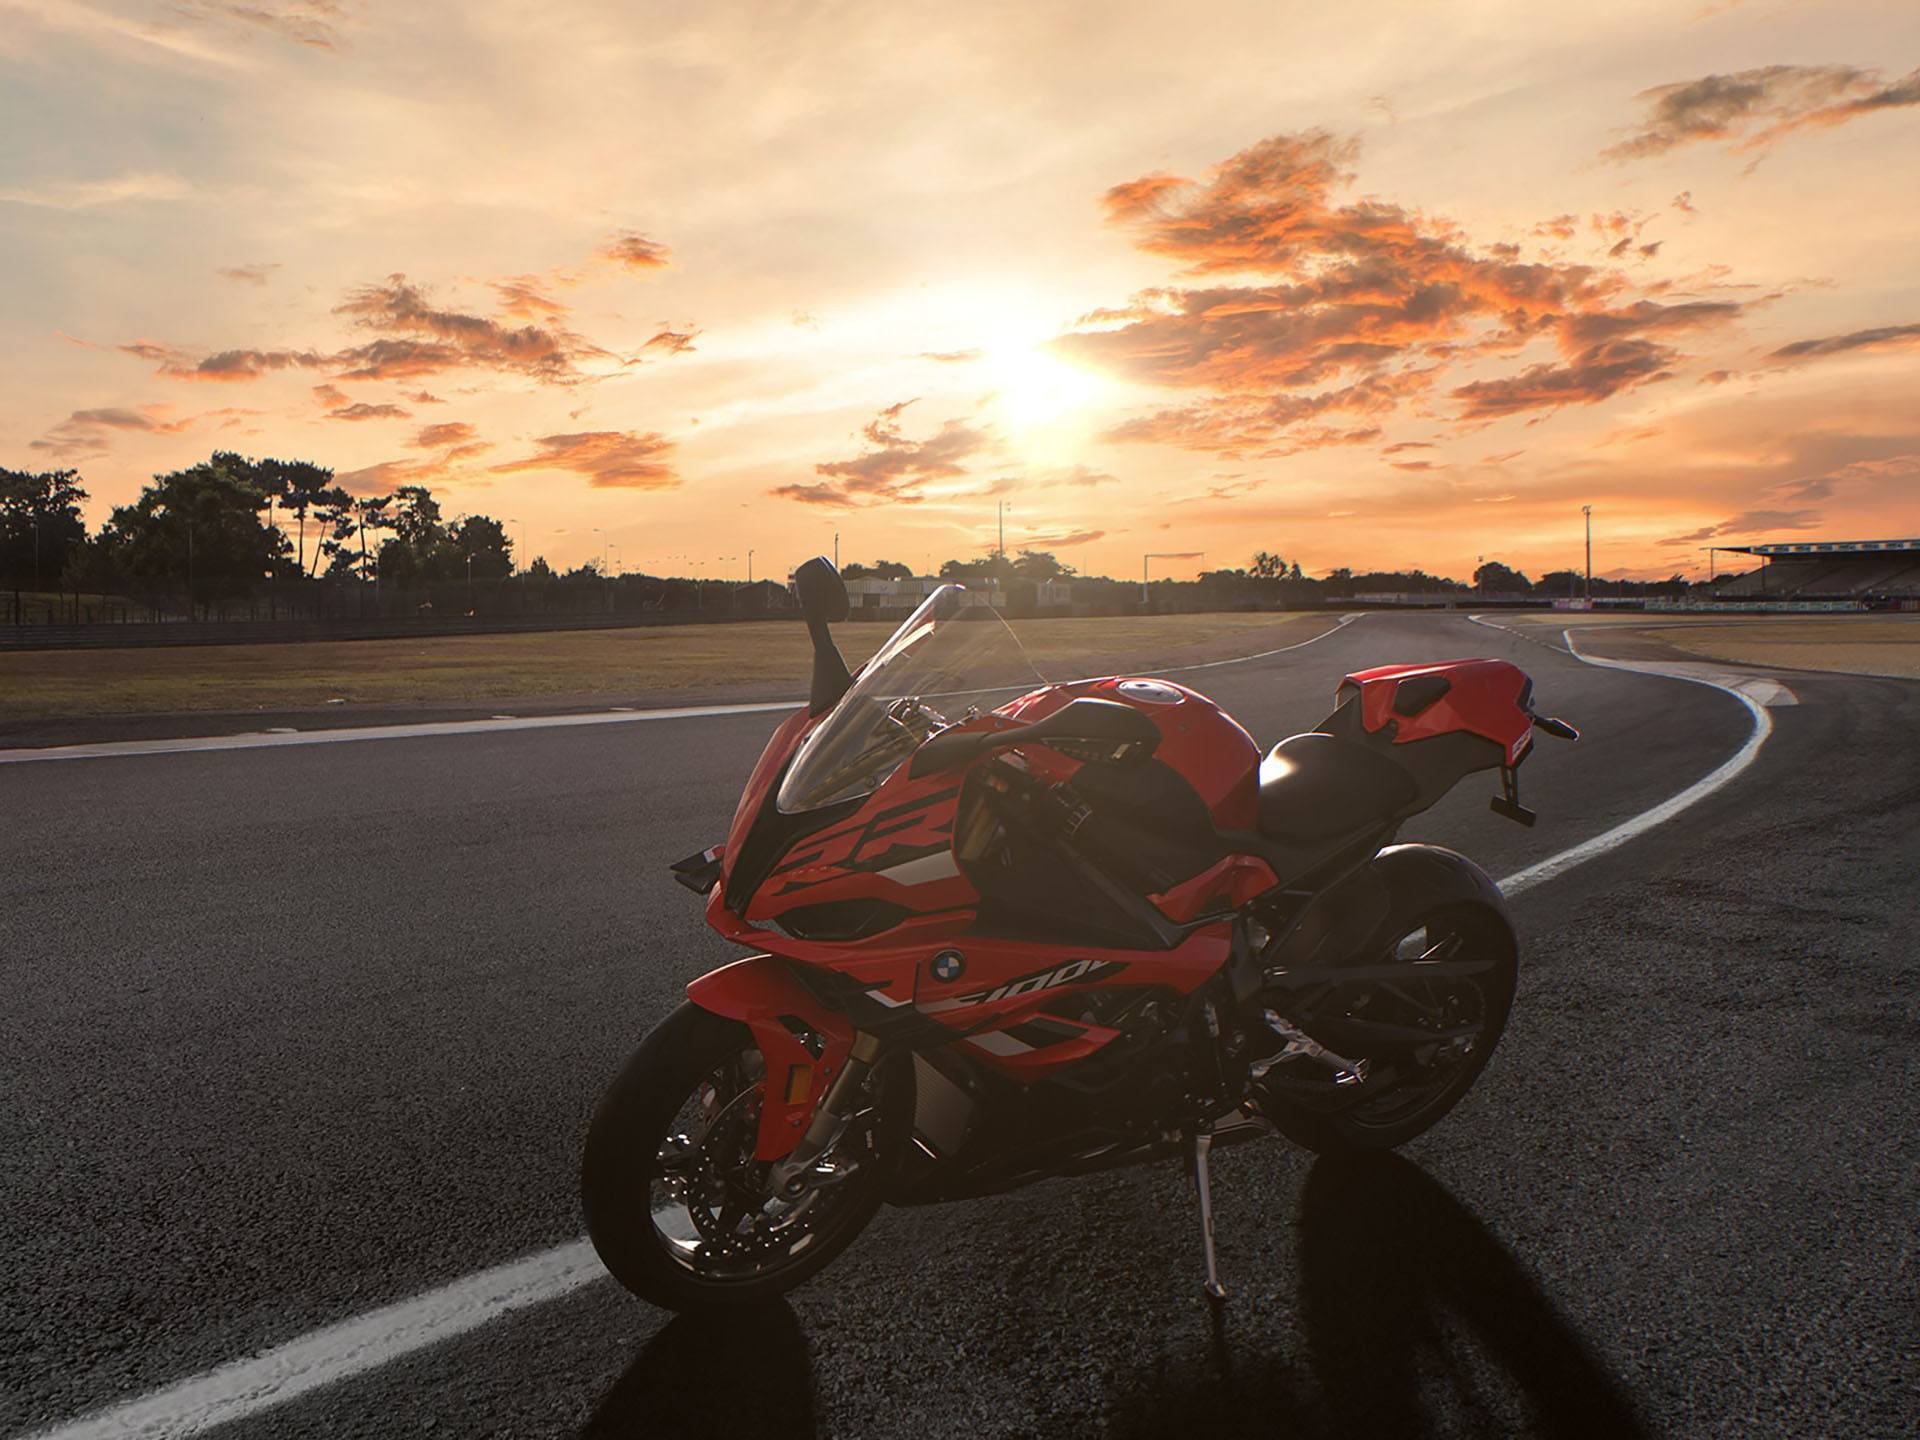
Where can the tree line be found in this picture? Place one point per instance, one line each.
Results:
(231, 526)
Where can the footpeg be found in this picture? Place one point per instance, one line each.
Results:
(1301, 1045)
(1199, 1143)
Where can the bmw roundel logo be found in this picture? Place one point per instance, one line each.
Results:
(949, 965)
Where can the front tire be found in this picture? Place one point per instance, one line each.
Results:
(675, 1203)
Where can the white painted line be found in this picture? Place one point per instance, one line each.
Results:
(1337, 627)
(273, 739)
(324, 1357)
(353, 1347)
(1620, 834)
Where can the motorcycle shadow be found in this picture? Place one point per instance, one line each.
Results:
(1393, 1269)
(1417, 1322)
(737, 1374)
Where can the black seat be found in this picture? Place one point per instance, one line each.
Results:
(1315, 788)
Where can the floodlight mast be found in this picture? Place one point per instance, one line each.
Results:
(1587, 510)
(1145, 560)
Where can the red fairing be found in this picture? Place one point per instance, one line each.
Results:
(897, 847)
(760, 991)
(1483, 697)
(1197, 738)
(1229, 884)
(765, 772)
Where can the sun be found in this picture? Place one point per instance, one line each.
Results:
(1034, 391)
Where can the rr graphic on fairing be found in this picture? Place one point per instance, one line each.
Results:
(1015, 930)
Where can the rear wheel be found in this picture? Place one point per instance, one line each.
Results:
(678, 1208)
(1425, 1019)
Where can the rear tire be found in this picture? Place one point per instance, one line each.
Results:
(636, 1176)
(1421, 1084)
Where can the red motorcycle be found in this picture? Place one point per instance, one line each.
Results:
(1016, 930)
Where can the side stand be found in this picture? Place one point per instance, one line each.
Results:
(1199, 1142)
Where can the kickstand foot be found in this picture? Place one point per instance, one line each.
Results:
(1199, 1143)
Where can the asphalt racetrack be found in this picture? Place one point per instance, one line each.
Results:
(293, 1034)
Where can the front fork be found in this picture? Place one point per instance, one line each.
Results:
(803, 1166)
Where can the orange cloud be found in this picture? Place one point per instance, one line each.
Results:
(452, 432)
(397, 307)
(312, 23)
(633, 250)
(390, 475)
(895, 469)
(619, 459)
(1062, 540)
(362, 410)
(414, 338)
(247, 274)
(1351, 308)
(672, 342)
(1884, 335)
(1757, 108)
(1604, 370)
(86, 432)
(523, 298)
(230, 365)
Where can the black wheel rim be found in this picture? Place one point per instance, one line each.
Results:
(707, 1196)
(1425, 1033)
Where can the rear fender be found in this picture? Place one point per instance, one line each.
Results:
(1353, 917)
(803, 1042)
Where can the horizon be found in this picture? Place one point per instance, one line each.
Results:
(1404, 291)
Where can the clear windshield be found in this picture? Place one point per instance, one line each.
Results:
(952, 657)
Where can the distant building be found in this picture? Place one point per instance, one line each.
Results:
(1862, 571)
(769, 595)
(887, 599)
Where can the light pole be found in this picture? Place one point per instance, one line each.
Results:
(1145, 597)
(836, 549)
(471, 607)
(749, 565)
(1587, 510)
(606, 567)
(523, 545)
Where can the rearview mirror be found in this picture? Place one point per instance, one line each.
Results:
(821, 591)
(823, 599)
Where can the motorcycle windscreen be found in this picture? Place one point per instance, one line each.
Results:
(952, 658)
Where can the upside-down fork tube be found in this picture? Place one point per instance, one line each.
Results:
(804, 1043)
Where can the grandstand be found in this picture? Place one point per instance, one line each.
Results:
(1871, 572)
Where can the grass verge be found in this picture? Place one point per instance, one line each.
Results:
(770, 657)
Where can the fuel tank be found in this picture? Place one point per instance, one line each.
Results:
(1199, 741)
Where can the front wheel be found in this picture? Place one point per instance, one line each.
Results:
(676, 1205)
(1425, 1019)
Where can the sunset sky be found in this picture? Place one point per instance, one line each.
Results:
(1373, 284)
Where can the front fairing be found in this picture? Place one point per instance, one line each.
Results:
(829, 814)
(953, 659)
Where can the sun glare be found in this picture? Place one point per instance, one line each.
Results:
(1035, 391)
